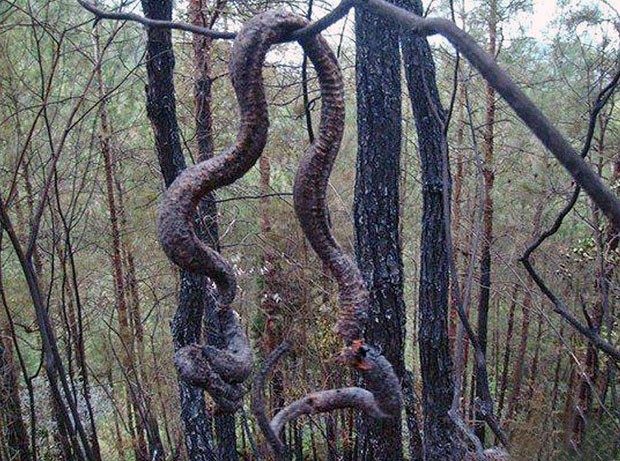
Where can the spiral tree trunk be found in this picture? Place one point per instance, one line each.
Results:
(187, 323)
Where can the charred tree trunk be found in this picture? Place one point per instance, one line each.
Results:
(206, 217)
(487, 222)
(376, 209)
(187, 323)
(441, 439)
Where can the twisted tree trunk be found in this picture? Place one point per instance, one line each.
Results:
(204, 13)
(187, 323)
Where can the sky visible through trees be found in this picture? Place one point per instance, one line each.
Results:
(489, 327)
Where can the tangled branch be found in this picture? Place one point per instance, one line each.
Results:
(222, 371)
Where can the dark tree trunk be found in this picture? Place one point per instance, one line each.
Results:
(376, 210)
(487, 223)
(206, 218)
(507, 350)
(441, 437)
(187, 323)
(416, 446)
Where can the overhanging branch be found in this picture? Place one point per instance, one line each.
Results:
(529, 113)
(311, 29)
(592, 335)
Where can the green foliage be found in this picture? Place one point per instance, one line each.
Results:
(50, 105)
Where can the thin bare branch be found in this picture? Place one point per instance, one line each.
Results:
(559, 307)
(308, 31)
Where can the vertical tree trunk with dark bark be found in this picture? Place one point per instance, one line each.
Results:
(441, 437)
(376, 209)
(487, 221)
(187, 323)
(507, 350)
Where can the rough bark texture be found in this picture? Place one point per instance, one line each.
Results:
(382, 401)
(180, 242)
(441, 439)
(311, 208)
(222, 371)
(310, 195)
(187, 323)
(376, 210)
(487, 222)
(205, 13)
(175, 219)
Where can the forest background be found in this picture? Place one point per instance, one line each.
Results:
(81, 181)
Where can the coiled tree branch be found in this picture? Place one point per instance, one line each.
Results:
(222, 372)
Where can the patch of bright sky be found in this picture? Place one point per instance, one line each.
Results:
(538, 24)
